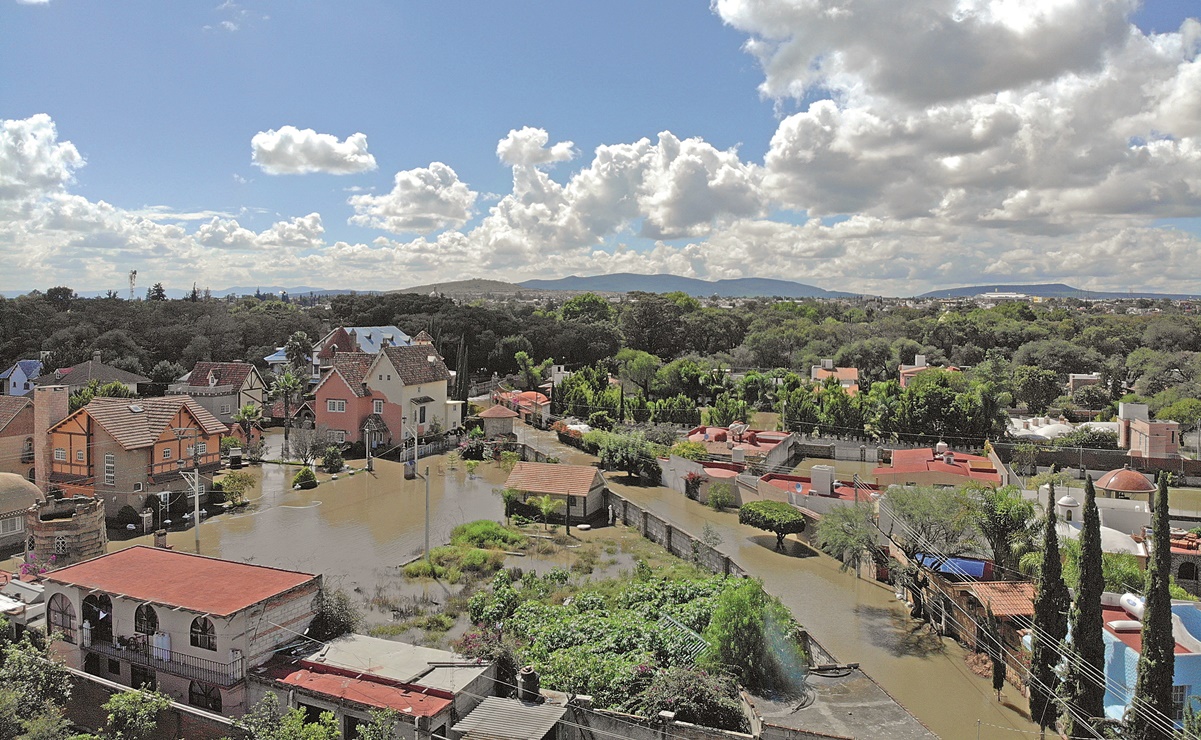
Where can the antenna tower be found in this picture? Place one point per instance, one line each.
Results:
(133, 278)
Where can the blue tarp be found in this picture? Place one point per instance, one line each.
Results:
(961, 567)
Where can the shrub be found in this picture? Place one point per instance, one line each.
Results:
(773, 516)
(304, 477)
(336, 615)
(228, 443)
(235, 485)
(721, 496)
(509, 460)
(486, 534)
(690, 451)
(692, 484)
(696, 696)
(473, 450)
(332, 459)
(128, 515)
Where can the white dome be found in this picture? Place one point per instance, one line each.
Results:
(1068, 501)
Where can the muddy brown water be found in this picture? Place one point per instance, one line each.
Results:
(858, 621)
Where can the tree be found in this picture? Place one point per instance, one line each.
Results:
(1005, 521)
(936, 523)
(264, 722)
(308, 443)
(133, 715)
(531, 374)
(36, 678)
(156, 292)
(509, 497)
(299, 351)
(773, 516)
(1086, 666)
(1050, 627)
(1034, 387)
(995, 651)
(94, 389)
(1157, 661)
(547, 506)
(587, 307)
(60, 297)
(248, 417)
(638, 367)
(849, 533)
(286, 388)
(336, 615)
(752, 635)
(727, 410)
(165, 372)
(384, 726)
(235, 484)
(332, 460)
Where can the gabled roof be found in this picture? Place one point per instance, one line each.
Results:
(552, 478)
(139, 422)
(368, 339)
(226, 373)
(353, 367)
(498, 412)
(1006, 598)
(423, 337)
(176, 578)
(86, 372)
(414, 366)
(10, 407)
(31, 368)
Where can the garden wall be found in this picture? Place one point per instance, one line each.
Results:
(670, 537)
(591, 724)
(89, 692)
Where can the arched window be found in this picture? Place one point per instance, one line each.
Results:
(98, 613)
(62, 616)
(1067, 515)
(60, 545)
(203, 634)
(145, 620)
(1187, 572)
(204, 696)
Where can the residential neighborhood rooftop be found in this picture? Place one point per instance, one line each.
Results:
(552, 478)
(356, 686)
(173, 578)
(10, 406)
(140, 422)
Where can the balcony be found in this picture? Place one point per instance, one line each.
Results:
(138, 651)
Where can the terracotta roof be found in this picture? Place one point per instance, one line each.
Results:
(277, 409)
(413, 365)
(142, 428)
(337, 338)
(498, 412)
(1126, 481)
(423, 336)
(353, 367)
(842, 373)
(175, 578)
(16, 494)
(357, 687)
(10, 406)
(754, 441)
(552, 478)
(86, 372)
(227, 373)
(925, 460)
(1006, 598)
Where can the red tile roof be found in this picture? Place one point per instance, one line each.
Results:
(552, 478)
(413, 364)
(924, 460)
(1006, 598)
(358, 687)
(86, 372)
(1126, 481)
(174, 578)
(423, 336)
(498, 412)
(226, 373)
(338, 338)
(10, 406)
(141, 428)
(353, 367)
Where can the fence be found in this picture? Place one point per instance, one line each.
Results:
(672, 538)
(436, 447)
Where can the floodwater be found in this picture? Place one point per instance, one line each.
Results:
(859, 621)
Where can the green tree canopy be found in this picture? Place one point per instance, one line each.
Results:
(776, 517)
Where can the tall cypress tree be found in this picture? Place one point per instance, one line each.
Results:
(1050, 627)
(996, 651)
(1087, 666)
(1157, 663)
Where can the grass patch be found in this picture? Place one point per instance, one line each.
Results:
(487, 535)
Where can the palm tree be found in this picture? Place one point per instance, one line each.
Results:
(548, 506)
(298, 349)
(287, 386)
(247, 417)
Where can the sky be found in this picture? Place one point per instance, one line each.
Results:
(874, 146)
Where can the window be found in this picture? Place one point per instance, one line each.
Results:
(142, 677)
(202, 448)
(420, 414)
(62, 617)
(12, 525)
(334, 406)
(137, 487)
(79, 455)
(60, 453)
(203, 634)
(339, 435)
(204, 696)
(1187, 572)
(60, 545)
(1179, 695)
(145, 620)
(114, 667)
(167, 453)
(225, 408)
(377, 407)
(110, 469)
(1067, 515)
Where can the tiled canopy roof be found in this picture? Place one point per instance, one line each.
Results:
(1006, 598)
(498, 412)
(353, 367)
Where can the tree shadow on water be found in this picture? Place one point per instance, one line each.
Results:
(899, 634)
(792, 548)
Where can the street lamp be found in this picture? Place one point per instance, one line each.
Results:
(410, 472)
(193, 475)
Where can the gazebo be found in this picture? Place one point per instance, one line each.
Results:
(1126, 483)
(498, 421)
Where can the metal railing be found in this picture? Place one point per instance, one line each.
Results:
(138, 651)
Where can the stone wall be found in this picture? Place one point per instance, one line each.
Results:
(677, 541)
(590, 724)
(79, 522)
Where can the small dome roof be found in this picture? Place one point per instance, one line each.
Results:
(16, 493)
(1068, 501)
(1126, 481)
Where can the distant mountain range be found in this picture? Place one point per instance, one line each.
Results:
(140, 292)
(1048, 290)
(624, 282)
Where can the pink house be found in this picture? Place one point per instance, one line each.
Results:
(344, 403)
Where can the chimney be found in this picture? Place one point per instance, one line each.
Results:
(919, 360)
(827, 364)
(51, 404)
(96, 357)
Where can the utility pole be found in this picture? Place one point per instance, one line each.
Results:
(193, 476)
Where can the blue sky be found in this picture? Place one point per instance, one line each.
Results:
(161, 101)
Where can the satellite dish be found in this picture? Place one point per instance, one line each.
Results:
(799, 488)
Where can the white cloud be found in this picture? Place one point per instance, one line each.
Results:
(293, 151)
(304, 232)
(33, 2)
(422, 200)
(527, 147)
(32, 161)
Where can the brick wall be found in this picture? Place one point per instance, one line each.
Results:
(50, 405)
(679, 542)
(88, 693)
(581, 724)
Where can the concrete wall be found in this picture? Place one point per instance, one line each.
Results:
(581, 724)
(776, 732)
(677, 541)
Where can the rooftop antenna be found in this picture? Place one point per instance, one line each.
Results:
(133, 278)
